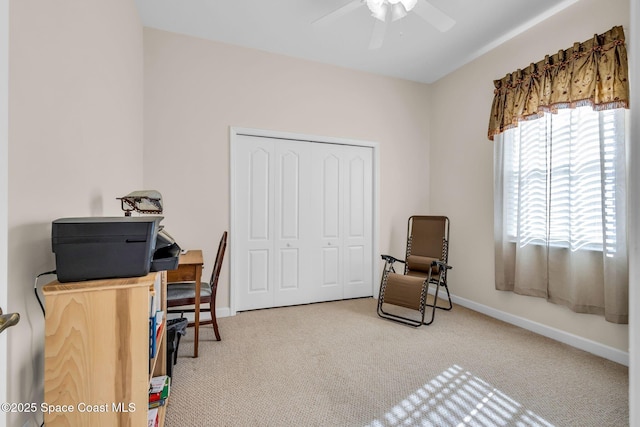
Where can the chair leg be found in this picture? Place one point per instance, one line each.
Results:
(433, 306)
(441, 281)
(449, 297)
(214, 321)
(175, 352)
(435, 301)
(399, 319)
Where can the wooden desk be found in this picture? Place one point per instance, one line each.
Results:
(190, 270)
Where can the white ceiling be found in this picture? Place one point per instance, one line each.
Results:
(412, 49)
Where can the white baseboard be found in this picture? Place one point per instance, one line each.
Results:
(222, 312)
(576, 341)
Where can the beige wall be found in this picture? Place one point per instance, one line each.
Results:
(459, 125)
(75, 144)
(196, 89)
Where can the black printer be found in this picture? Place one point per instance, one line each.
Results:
(91, 248)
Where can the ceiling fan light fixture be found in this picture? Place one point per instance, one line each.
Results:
(398, 12)
(380, 12)
(399, 8)
(374, 5)
(408, 4)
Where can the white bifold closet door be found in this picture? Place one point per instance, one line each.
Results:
(303, 218)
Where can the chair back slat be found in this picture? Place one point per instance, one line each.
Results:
(218, 264)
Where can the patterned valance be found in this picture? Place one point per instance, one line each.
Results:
(594, 73)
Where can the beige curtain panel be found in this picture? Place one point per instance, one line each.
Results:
(594, 73)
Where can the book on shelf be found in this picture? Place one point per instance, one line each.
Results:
(152, 417)
(159, 388)
(159, 323)
(152, 337)
(156, 323)
(157, 289)
(159, 332)
(155, 301)
(157, 403)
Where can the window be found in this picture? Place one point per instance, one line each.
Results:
(560, 189)
(560, 180)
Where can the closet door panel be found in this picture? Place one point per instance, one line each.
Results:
(356, 198)
(289, 277)
(355, 265)
(358, 221)
(329, 193)
(289, 203)
(328, 211)
(330, 268)
(259, 179)
(258, 269)
(254, 175)
(292, 192)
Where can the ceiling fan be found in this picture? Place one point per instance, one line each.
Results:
(391, 10)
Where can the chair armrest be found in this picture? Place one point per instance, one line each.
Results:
(390, 259)
(441, 265)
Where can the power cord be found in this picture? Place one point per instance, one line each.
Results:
(35, 287)
(35, 291)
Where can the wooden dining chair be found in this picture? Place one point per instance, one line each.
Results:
(180, 294)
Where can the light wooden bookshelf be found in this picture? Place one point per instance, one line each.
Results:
(96, 356)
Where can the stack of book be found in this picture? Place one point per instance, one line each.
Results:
(159, 389)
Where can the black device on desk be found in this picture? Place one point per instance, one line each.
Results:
(89, 248)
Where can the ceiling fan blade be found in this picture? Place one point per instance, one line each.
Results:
(434, 16)
(338, 13)
(377, 37)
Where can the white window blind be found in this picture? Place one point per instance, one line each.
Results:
(560, 180)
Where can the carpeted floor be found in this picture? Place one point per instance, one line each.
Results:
(339, 364)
